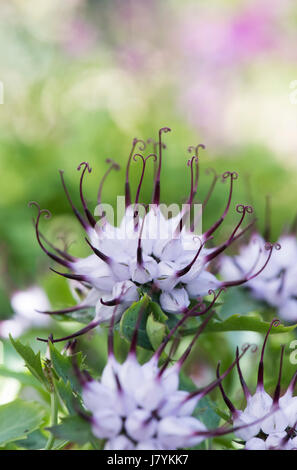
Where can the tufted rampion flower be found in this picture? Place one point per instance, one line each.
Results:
(140, 407)
(147, 251)
(278, 430)
(277, 284)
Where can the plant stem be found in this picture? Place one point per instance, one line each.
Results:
(54, 419)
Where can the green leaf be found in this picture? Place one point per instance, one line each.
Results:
(250, 322)
(152, 326)
(73, 429)
(205, 409)
(66, 394)
(35, 441)
(158, 313)
(32, 361)
(129, 319)
(63, 366)
(18, 419)
(156, 331)
(239, 301)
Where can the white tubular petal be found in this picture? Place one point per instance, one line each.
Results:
(144, 273)
(289, 406)
(255, 444)
(170, 380)
(106, 424)
(108, 375)
(276, 442)
(119, 443)
(175, 301)
(166, 279)
(97, 396)
(92, 297)
(173, 405)
(259, 404)
(140, 425)
(171, 250)
(202, 284)
(126, 291)
(242, 419)
(103, 280)
(104, 313)
(121, 271)
(88, 265)
(130, 375)
(150, 395)
(277, 422)
(176, 433)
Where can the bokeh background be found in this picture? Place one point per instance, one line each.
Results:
(82, 78)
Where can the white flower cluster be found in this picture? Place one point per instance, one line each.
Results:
(277, 284)
(136, 407)
(274, 427)
(146, 253)
(272, 420)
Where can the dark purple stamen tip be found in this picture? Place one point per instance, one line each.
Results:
(111, 303)
(248, 277)
(187, 268)
(74, 209)
(89, 216)
(47, 215)
(199, 332)
(191, 312)
(275, 322)
(201, 393)
(241, 209)
(225, 398)
(144, 161)
(127, 184)
(62, 253)
(233, 176)
(93, 324)
(156, 194)
(278, 385)
(245, 388)
(99, 253)
(76, 277)
(76, 308)
(113, 166)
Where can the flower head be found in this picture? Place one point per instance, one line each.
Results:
(141, 407)
(276, 415)
(163, 255)
(277, 284)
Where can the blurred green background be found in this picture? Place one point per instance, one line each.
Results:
(82, 78)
